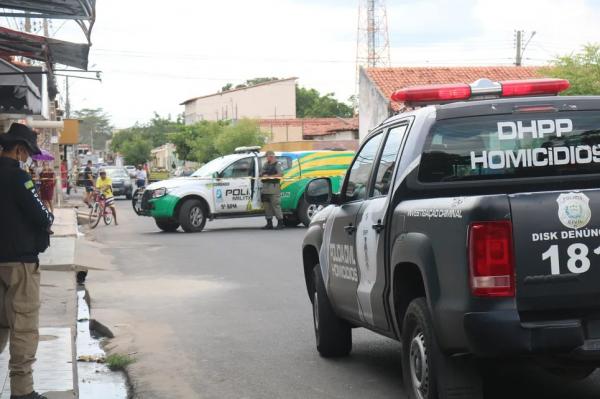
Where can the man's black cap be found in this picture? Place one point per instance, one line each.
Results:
(19, 133)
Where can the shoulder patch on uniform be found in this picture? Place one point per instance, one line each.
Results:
(29, 185)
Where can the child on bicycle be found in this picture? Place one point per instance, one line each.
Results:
(104, 185)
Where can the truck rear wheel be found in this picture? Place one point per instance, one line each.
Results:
(192, 216)
(333, 335)
(426, 369)
(168, 225)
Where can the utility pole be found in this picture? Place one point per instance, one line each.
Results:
(67, 99)
(519, 44)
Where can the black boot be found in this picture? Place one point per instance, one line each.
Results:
(280, 225)
(269, 225)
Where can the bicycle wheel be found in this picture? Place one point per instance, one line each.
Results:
(108, 216)
(95, 213)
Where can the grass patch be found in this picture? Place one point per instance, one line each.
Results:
(117, 361)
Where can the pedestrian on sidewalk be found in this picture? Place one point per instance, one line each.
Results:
(23, 235)
(88, 183)
(271, 174)
(47, 186)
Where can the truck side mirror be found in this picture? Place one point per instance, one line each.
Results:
(318, 192)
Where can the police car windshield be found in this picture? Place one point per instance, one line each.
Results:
(216, 165)
(512, 146)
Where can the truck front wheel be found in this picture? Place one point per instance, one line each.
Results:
(334, 335)
(168, 225)
(192, 216)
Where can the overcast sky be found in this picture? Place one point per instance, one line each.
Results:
(154, 55)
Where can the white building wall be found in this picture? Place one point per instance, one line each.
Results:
(266, 101)
(373, 108)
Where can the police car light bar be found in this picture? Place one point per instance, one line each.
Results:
(444, 93)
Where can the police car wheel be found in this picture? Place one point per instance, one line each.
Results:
(426, 369)
(192, 216)
(291, 221)
(306, 211)
(333, 335)
(417, 348)
(168, 225)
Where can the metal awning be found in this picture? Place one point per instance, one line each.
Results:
(70, 9)
(18, 94)
(16, 43)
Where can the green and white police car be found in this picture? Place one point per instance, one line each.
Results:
(229, 187)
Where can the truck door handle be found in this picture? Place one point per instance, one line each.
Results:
(378, 227)
(350, 229)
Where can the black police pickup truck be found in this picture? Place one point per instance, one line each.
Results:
(468, 229)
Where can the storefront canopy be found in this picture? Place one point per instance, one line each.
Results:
(72, 9)
(18, 94)
(16, 43)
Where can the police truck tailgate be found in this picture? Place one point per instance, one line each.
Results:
(557, 250)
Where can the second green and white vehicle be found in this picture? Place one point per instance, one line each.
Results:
(229, 187)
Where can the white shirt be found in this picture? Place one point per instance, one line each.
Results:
(140, 174)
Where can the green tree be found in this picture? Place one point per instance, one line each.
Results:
(244, 133)
(311, 104)
(581, 69)
(136, 150)
(95, 128)
(247, 83)
(197, 142)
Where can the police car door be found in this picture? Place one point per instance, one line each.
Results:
(233, 191)
(343, 273)
(370, 234)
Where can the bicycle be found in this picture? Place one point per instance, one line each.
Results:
(99, 210)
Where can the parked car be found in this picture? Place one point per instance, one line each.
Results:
(131, 170)
(466, 230)
(230, 186)
(121, 181)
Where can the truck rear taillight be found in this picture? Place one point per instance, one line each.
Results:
(491, 259)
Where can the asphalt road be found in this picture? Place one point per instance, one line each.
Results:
(225, 314)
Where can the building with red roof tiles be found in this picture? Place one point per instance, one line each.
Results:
(377, 85)
(310, 129)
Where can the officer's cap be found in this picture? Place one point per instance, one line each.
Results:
(19, 133)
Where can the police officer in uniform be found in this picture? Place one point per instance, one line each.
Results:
(271, 174)
(24, 233)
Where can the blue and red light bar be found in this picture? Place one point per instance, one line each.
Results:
(444, 93)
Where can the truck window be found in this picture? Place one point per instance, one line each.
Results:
(358, 176)
(387, 163)
(512, 146)
(284, 161)
(241, 168)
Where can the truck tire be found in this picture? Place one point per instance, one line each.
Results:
(192, 216)
(306, 211)
(291, 220)
(168, 225)
(333, 335)
(426, 370)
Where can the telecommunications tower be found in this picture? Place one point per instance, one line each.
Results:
(373, 40)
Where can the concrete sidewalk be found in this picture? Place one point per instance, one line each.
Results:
(55, 372)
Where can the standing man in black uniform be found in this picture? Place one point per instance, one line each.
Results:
(271, 174)
(24, 233)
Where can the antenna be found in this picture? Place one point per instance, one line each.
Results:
(373, 40)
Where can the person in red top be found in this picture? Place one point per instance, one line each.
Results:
(63, 175)
(47, 186)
